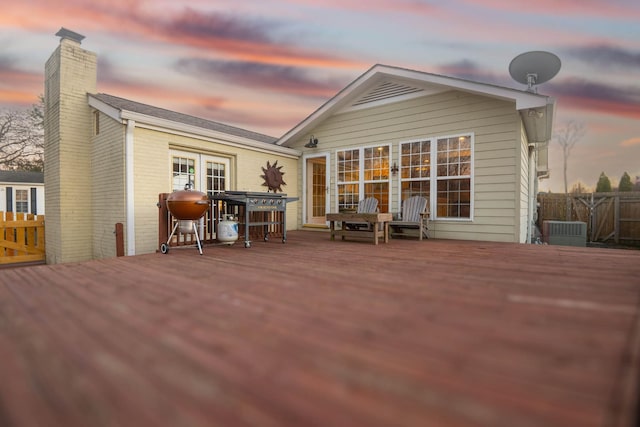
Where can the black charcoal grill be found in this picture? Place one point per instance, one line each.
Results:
(258, 202)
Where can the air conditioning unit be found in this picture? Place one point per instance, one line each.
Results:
(566, 233)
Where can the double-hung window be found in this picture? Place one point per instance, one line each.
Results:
(440, 170)
(22, 201)
(363, 172)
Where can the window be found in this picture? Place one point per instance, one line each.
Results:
(348, 179)
(183, 172)
(363, 172)
(22, 201)
(454, 177)
(216, 176)
(449, 179)
(206, 173)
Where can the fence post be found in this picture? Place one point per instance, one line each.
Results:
(616, 219)
(119, 239)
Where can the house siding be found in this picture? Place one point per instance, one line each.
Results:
(495, 125)
(524, 186)
(108, 204)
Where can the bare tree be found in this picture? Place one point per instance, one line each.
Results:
(22, 138)
(567, 136)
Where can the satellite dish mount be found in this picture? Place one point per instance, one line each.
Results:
(533, 68)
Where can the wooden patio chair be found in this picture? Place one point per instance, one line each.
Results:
(414, 215)
(366, 205)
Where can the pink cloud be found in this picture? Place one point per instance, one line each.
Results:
(596, 8)
(630, 142)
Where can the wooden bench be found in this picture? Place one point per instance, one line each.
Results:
(379, 225)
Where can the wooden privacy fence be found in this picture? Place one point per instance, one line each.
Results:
(609, 216)
(208, 225)
(21, 238)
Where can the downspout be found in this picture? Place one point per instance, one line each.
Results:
(128, 155)
(532, 191)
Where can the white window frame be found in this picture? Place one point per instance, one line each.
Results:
(433, 177)
(361, 175)
(200, 161)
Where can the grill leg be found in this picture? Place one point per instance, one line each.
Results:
(195, 230)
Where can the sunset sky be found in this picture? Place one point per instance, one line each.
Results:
(265, 65)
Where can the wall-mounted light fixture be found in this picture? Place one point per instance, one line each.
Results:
(394, 169)
(313, 142)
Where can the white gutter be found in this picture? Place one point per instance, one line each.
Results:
(128, 159)
(532, 191)
(170, 126)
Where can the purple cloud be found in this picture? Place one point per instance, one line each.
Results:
(608, 56)
(280, 78)
(602, 98)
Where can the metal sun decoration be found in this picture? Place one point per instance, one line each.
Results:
(273, 177)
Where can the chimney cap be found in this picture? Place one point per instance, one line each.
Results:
(68, 34)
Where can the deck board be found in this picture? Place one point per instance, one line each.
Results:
(319, 333)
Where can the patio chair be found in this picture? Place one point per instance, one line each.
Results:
(414, 215)
(366, 205)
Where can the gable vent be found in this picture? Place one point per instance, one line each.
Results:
(386, 90)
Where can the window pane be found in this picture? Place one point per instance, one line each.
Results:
(454, 198)
(415, 160)
(348, 196)
(183, 173)
(379, 190)
(348, 166)
(216, 177)
(376, 163)
(415, 164)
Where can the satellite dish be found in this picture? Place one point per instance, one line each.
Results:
(534, 68)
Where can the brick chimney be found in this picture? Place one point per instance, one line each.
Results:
(70, 74)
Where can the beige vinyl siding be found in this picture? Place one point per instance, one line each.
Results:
(108, 183)
(495, 126)
(152, 159)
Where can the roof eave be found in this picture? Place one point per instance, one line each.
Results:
(144, 120)
(538, 122)
(524, 100)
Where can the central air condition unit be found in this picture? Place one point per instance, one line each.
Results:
(567, 233)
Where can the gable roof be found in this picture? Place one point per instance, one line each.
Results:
(27, 177)
(383, 84)
(121, 109)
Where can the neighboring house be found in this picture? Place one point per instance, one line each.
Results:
(474, 150)
(22, 192)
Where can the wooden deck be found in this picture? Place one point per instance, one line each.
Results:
(321, 333)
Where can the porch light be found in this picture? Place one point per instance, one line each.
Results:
(313, 142)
